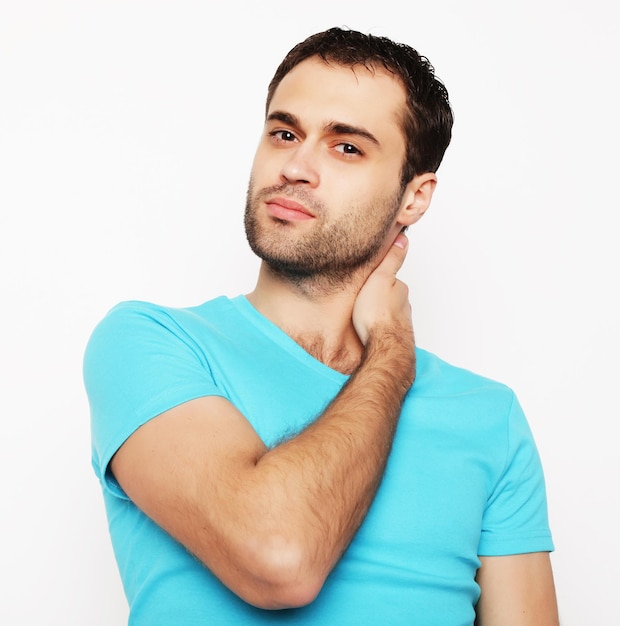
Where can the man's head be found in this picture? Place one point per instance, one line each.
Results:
(347, 157)
(427, 118)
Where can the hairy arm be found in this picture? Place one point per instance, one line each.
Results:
(516, 590)
(272, 523)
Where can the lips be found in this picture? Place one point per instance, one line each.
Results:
(286, 209)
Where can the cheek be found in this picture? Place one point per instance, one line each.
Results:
(372, 190)
(264, 167)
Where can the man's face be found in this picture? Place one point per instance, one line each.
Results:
(325, 187)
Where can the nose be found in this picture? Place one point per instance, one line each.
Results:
(301, 166)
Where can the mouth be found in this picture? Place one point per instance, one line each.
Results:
(285, 209)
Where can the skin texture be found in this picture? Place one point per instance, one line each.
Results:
(325, 212)
(516, 590)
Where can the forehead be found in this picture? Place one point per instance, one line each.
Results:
(316, 91)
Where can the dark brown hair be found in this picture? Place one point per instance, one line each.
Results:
(427, 121)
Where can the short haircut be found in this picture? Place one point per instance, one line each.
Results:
(428, 118)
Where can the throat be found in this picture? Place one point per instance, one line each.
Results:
(343, 359)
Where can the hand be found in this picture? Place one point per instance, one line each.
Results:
(383, 301)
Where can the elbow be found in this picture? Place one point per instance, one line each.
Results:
(283, 575)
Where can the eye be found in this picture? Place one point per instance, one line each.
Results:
(347, 148)
(283, 135)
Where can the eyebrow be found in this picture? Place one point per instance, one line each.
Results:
(336, 128)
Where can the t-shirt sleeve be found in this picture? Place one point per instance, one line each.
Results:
(138, 363)
(515, 520)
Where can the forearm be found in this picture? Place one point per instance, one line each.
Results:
(320, 484)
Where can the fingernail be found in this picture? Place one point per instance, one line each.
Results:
(400, 241)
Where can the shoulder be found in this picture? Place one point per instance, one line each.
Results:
(134, 333)
(461, 401)
(131, 310)
(437, 376)
(133, 317)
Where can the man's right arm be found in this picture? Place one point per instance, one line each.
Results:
(272, 523)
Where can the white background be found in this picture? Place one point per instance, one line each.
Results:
(127, 130)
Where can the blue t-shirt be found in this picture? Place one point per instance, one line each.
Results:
(463, 479)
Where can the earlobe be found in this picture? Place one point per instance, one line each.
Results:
(417, 198)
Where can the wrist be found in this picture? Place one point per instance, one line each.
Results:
(393, 350)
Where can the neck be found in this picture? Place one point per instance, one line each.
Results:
(315, 312)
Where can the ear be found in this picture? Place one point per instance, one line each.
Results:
(417, 198)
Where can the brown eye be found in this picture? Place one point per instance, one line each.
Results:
(283, 135)
(347, 148)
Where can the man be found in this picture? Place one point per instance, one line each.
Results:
(270, 458)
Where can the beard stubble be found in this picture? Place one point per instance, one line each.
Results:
(333, 251)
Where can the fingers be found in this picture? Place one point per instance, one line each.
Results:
(395, 256)
(383, 299)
